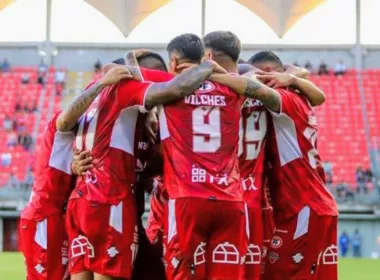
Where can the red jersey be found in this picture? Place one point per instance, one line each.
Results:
(200, 136)
(296, 175)
(108, 130)
(253, 135)
(53, 176)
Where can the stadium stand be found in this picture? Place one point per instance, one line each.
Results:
(13, 93)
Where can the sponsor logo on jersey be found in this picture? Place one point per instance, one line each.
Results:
(248, 184)
(206, 100)
(273, 257)
(312, 120)
(206, 86)
(65, 252)
(276, 242)
(264, 252)
(297, 258)
(199, 175)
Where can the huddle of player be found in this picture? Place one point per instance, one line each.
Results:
(209, 139)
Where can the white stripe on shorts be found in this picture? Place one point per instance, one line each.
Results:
(302, 222)
(172, 230)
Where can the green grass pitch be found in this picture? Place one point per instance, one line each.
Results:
(12, 268)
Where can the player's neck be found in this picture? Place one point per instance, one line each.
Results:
(230, 66)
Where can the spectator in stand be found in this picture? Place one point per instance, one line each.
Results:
(25, 79)
(357, 244)
(361, 180)
(341, 189)
(25, 140)
(6, 159)
(344, 242)
(13, 182)
(97, 66)
(6, 67)
(340, 68)
(42, 68)
(323, 69)
(8, 123)
(18, 106)
(309, 66)
(12, 139)
(60, 76)
(29, 178)
(41, 78)
(327, 167)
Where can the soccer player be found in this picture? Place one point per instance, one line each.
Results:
(105, 247)
(224, 47)
(206, 222)
(304, 243)
(42, 229)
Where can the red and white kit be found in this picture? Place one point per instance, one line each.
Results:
(206, 233)
(42, 228)
(108, 244)
(253, 135)
(304, 242)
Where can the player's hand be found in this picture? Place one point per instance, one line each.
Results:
(151, 125)
(82, 162)
(113, 73)
(276, 80)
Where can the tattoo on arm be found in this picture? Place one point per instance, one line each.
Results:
(268, 96)
(69, 117)
(179, 87)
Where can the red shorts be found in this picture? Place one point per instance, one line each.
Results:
(253, 256)
(268, 229)
(303, 248)
(205, 239)
(103, 238)
(149, 263)
(44, 245)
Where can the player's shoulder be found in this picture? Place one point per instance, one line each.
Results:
(155, 75)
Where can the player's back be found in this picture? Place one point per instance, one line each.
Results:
(253, 137)
(108, 130)
(52, 180)
(200, 136)
(296, 176)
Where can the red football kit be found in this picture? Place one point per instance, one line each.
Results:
(108, 244)
(42, 228)
(252, 140)
(304, 242)
(205, 228)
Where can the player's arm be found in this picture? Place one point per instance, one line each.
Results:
(278, 80)
(249, 86)
(71, 114)
(130, 59)
(182, 85)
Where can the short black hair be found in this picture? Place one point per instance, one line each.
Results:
(119, 61)
(155, 56)
(224, 42)
(265, 56)
(242, 61)
(189, 46)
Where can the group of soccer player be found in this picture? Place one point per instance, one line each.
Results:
(227, 150)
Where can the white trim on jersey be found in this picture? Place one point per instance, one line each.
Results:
(124, 129)
(62, 154)
(40, 237)
(286, 136)
(164, 130)
(302, 222)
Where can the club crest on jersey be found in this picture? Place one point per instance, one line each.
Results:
(276, 242)
(206, 86)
